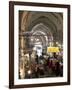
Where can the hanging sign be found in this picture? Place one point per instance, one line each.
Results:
(52, 49)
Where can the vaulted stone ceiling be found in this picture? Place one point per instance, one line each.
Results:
(52, 21)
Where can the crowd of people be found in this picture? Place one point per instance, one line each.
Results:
(45, 67)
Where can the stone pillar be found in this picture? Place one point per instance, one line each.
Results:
(22, 67)
(22, 42)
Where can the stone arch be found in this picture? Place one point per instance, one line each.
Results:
(41, 29)
(48, 23)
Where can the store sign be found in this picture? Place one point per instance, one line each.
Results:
(52, 49)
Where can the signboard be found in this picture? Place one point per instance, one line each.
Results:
(52, 49)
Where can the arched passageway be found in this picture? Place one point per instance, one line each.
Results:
(37, 32)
